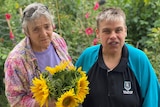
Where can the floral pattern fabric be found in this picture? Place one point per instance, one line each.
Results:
(21, 67)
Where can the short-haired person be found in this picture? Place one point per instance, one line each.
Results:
(41, 47)
(119, 74)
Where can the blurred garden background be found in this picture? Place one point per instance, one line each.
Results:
(75, 21)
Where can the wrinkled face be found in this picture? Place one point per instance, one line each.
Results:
(40, 32)
(112, 35)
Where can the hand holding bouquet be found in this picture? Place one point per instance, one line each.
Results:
(66, 84)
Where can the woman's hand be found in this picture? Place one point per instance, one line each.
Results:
(52, 103)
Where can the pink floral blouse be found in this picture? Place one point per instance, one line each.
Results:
(21, 67)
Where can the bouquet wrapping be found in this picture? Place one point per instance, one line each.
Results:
(65, 83)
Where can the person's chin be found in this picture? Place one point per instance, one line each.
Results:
(46, 45)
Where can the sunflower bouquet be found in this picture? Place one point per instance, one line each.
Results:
(67, 84)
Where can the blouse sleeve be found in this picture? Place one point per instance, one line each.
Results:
(16, 84)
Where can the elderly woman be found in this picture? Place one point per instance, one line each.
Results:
(119, 74)
(40, 48)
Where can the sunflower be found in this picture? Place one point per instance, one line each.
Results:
(58, 68)
(68, 99)
(82, 89)
(63, 65)
(71, 68)
(50, 70)
(81, 72)
(64, 82)
(40, 90)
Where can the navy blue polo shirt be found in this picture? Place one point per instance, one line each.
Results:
(116, 88)
(133, 83)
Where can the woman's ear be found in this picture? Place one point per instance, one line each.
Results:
(126, 32)
(97, 33)
(26, 32)
(53, 27)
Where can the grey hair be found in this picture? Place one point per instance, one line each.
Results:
(111, 14)
(36, 10)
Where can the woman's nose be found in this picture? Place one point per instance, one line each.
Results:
(43, 32)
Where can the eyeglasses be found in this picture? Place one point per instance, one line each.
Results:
(30, 12)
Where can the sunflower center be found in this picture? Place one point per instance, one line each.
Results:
(67, 101)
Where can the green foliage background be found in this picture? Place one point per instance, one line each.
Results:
(143, 21)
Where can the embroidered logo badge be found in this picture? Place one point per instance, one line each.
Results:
(127, 87)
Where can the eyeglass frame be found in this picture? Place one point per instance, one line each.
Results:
(32, 10)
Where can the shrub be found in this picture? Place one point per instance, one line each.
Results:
(75, 21)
